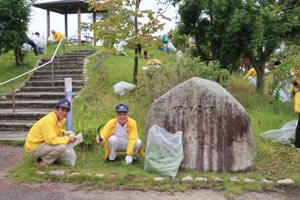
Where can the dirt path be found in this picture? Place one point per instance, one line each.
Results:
(10, 155)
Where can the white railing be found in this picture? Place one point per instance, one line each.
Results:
(50, 61)
(36, 68)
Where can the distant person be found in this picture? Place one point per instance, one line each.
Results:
(167, 44)
(295, 91)
(164, 39)
(30, 41)
(40, 42)
(46, 140)
(57, 36)
(251, 76)
(120, 48)
(120, 134)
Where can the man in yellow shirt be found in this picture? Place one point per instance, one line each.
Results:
(120, 134)
(251, 72)
(295, 91)
(57, 36)
(251, 76)
(46, 140)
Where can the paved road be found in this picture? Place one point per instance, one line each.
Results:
(10, 155)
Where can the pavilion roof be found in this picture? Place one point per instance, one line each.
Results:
(64, 6)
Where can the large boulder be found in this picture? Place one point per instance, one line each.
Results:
(217, 134)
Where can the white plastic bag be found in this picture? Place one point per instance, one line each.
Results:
(252, 80)
(164, 151)
(282, 135)
(69, 156)
(122, 87)
(171, 47)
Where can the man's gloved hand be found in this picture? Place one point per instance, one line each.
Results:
(128, 160)
(100, 139)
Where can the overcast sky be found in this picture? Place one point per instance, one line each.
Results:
(38, 21)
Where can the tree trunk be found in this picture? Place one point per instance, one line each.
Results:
(260, 77)
(260, 82)
(136, 58)
(19, 57)
(136, 64)
(259, 66)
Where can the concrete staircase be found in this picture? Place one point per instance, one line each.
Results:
(37, 96)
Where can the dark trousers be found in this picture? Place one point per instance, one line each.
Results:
(34, 46)
(297, 134)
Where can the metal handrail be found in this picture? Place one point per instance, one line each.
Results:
(50, 61)
(52, 70)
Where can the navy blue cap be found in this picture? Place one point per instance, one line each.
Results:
(122, 108)
(63, 104)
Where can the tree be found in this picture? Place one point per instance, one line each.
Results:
(232, 29)
(126, 21)
(14, 18)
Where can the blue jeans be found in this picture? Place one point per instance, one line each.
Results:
(34, 46)
(297, 134)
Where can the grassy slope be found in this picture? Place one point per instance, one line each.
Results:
(96, 105)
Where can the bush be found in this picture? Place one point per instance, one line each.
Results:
(159, 81)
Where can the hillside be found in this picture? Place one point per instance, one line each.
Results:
(95, 105)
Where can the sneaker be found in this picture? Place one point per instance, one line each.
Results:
(134, 158)
(40, 162)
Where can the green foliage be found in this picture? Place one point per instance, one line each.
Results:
(8, 70)
(288, 70)
(126, 21)
(14, 17)
(232, 29)
(193, 67)
(180, 40)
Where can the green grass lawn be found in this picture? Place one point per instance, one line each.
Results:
(96, 103)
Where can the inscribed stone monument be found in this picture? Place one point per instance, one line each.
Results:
(217, 134)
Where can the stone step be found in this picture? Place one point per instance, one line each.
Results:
(66, 58)
(49, 89)
(83, 53)
(13, 135)
(16, 125)
(62, 71)
(23, 114)
(21, 104)
(38, 95)
(74, 55)
(62, 64)
(56, 77)
(56, 83)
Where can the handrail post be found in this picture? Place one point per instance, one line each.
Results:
(64, 48)
(32, 70)
(57, 58)
(52, 71)
(79, 43)
(13, 99)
